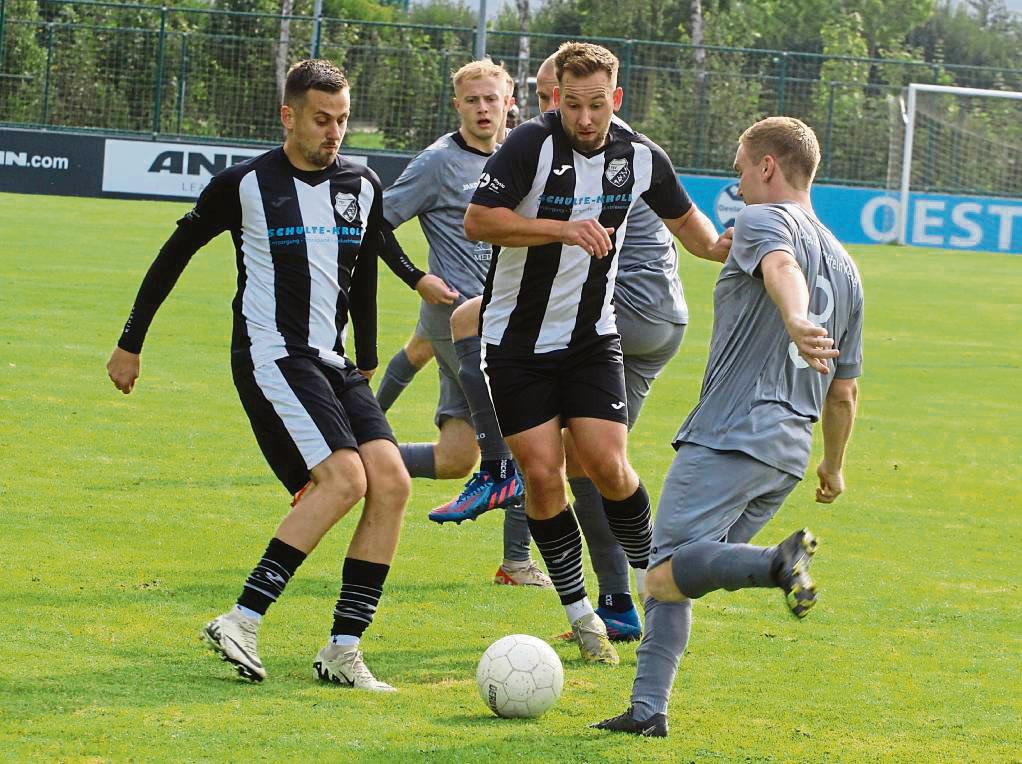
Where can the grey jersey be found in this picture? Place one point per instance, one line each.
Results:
(759, 397)
(436, 187)
(647, 276)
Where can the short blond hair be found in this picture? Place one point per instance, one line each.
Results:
(584, 58)
(476, 70)
(788, 140)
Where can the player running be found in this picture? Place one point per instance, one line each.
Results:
(787, 293)
(556, 198)
(651, 319)
(306, 225)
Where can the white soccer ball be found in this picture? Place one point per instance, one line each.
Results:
(519, 676)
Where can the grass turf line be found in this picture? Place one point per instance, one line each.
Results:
(128, 521)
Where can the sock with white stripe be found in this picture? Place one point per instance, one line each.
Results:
(399, 374)
(609, 561)
(419, 459)
(560, 543)
(630, 523)
(473, 384)
(361, 589)
(267, 580)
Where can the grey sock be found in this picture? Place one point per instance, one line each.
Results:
(667, 627)
(473, 384)
(705, 566)
(607, 556)
(396, 378)
(419, 459)
(516, 534)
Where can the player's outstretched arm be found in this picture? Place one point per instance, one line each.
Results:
(698, 236)
(216, 210)
(787, 288)
(837, 418)
(506, 228)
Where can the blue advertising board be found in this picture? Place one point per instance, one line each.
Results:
(91, 165)
(869, 215)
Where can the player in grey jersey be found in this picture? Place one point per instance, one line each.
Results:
(436, 187)
(651, 316)
(786, 349)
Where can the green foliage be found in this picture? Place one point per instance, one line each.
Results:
(23, 64)
(447, 13)
(128, 521)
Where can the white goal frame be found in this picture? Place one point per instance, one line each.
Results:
(910, 124)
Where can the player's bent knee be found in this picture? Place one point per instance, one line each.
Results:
(660, 584)
(613, 476)
(465, 319)
(391, 491)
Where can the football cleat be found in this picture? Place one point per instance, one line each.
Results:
(593, 642)
(621, 627)
(232, 636)
(481, 494)
(343, 665)
(791, 571)
(654, 726)
(530, 575)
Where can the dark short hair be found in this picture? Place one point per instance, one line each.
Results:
(312, 74)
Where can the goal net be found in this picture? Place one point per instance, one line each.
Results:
(956, 141)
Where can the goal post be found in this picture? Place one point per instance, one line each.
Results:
(1006, 148)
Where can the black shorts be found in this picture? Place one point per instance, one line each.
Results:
(580, 382)
(303, 409)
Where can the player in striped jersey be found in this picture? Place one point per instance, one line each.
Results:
(306, 225)
(556, 199)
(651, 316)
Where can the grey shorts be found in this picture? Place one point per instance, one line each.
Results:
(711, 495)
(452, 403)
(435, 325)
(648, 346)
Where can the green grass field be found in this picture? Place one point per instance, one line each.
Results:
(127, 522)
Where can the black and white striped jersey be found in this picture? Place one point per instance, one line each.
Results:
(555, 296)
(307, 246)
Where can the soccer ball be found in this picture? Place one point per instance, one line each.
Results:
(519, 676)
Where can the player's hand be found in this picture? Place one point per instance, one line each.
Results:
(123, 369)
(832, 483)
(435, 291)
(588, 234)
(812, 343)
(720, 248)
(367, 373)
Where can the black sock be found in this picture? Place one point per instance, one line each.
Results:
(361, 589)
(267, 580)
(560, 542)
(618, 602)
(630, 523)
(499, 469)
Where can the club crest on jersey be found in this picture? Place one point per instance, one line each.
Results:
(346, 206)
(617, 172)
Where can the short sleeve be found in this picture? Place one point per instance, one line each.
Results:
(849, 362)
(665, 195)
(508, 175)
(759, 230)
(414, 191)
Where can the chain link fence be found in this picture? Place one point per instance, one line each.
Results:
(216, 75)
